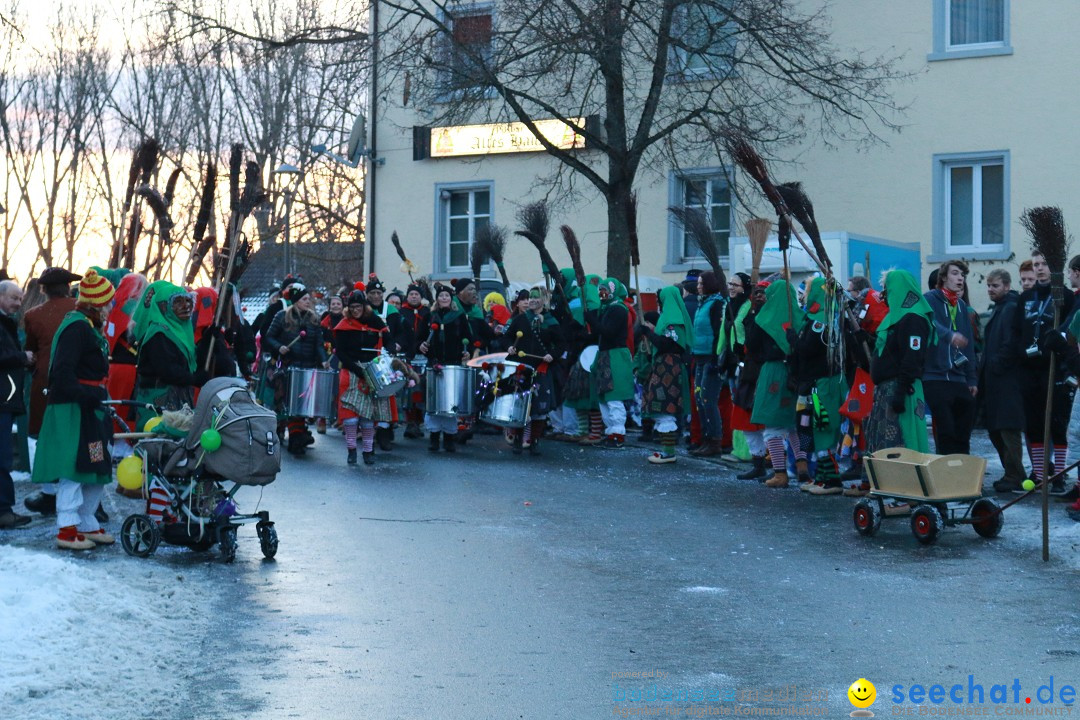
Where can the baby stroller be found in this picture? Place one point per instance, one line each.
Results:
(187, 503)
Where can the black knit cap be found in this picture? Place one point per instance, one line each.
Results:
(462, 283)
(357, 297)
(374, 283)
(295, 291)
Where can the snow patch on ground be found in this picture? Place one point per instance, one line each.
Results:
(81, 640)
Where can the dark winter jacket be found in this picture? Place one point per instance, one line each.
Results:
(307, 352)
(161, 364)
(1034, 319)
(448, 340)
(12, 368)
(614, 328)
(536, 339)
(358, 346)
(999, 381)
(904, 354)
(415, 326)
(78, 357)
(943, 361)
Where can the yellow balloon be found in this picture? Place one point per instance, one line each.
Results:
(129, 473)
(151, 424)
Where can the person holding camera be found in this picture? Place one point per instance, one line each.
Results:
(1038, 336)
(949, 379)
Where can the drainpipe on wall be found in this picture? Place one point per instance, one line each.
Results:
(370, 231)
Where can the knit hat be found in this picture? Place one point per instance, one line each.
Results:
(462, 283)
(95, 290)
(295, 291)
(374, 283)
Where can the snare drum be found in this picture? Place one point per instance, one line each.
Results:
(381, 376)
(312, 393)
(509, 408)
(451, 391)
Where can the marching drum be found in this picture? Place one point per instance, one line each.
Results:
(312, 393)
(510, 409)
(451, 391)
(381, 376)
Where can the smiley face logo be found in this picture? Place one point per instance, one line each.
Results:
(862, 695)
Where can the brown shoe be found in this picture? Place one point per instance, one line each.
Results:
(133, 494)
(709, 448)
(591, 440)
(778, 480)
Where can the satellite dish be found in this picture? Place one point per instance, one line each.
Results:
(357, 139)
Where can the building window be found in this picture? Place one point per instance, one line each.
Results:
(468, 50)
(702, 42)
(971, 205)
(708, 190)
(462, 210)
(970, 28)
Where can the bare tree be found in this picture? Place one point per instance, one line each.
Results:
(49, 132)
(671, 82)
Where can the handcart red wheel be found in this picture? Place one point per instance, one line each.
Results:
(926, 523)
(867, 517)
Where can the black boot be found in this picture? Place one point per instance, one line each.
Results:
(383, 438)
(351, 459)
(757, 471)
(369, 458)
(41, 503)
(516, 446)
(537, 432)
(449, 443)
(433, 443)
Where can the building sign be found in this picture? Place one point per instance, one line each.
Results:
(497, 138)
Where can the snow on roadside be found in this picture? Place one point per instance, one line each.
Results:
(82, 640)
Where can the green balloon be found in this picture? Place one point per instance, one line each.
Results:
(210, 440)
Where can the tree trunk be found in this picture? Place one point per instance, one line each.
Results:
(618, 249)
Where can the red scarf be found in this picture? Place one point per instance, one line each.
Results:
(952, 297)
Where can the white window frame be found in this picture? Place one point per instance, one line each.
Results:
(678, 62)
(945, 50)
(443, 194)
(943, 248)
(451, 94)
(677, 261)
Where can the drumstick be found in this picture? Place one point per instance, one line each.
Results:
(522, 354)
(303, 333)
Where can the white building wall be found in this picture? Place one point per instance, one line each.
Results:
(1023, 103)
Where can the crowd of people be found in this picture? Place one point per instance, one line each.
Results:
(802, 381)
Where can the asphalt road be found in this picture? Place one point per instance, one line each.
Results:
(485, 585)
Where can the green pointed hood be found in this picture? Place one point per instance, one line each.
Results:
(780, 312)
(154, 315)
(903, 296)
(673, 312)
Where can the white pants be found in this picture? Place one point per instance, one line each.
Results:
(437, 423)
(614, 414)
(755, 441)
(665, 423)
(76, 503)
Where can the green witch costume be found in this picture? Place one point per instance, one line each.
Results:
(167, 365)
(75, 436)
(774, 398)
(820, 386)
(667, 390)
(898, 416)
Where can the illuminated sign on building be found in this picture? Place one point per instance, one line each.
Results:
(499, 138)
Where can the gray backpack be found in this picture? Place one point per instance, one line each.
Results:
(250, 453)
